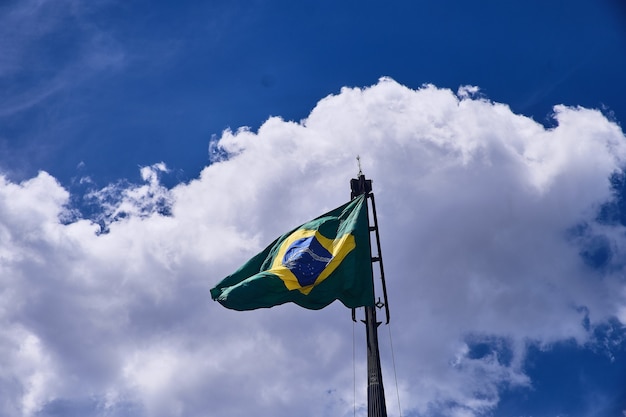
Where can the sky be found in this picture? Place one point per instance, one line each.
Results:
(148, 149)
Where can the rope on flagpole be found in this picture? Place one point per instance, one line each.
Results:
(353, 371)
(395, 373)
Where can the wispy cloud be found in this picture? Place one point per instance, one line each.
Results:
(50, 46)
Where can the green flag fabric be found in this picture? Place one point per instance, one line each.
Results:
(321, 261)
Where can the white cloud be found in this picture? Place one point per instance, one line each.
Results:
(476, 207)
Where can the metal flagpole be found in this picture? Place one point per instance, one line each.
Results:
(375, 391)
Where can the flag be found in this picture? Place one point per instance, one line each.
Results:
(323, 260)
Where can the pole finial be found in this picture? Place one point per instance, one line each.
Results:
(358, 161)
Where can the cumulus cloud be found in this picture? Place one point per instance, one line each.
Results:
(484, 214)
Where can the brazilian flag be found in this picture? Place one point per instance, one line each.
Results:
(321, 261)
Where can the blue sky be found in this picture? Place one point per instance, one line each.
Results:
(147, 149)
(151, 76)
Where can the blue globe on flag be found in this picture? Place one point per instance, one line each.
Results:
(306, 258)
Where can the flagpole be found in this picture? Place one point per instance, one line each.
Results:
(376, 406)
